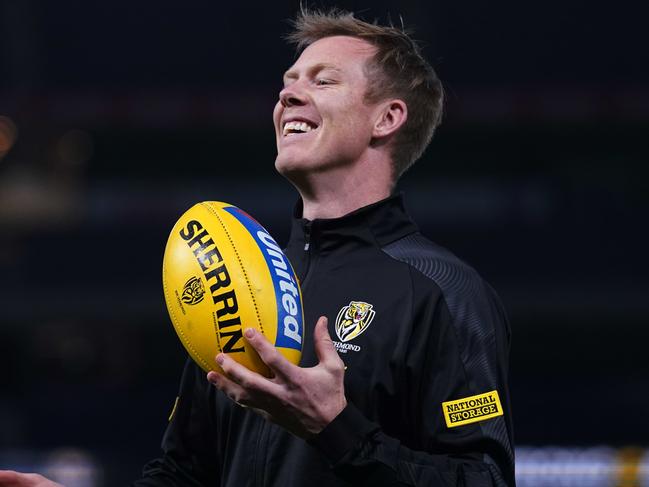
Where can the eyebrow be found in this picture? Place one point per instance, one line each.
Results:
(316, 68)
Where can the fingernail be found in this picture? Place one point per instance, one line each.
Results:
(211, 377)
(249, 332)
(219, 359)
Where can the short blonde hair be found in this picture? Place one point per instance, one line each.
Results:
(397, 70)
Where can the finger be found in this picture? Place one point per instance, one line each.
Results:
(251, 382)
(9, 478)
(230, 388)
(324, 346)
(235, 392)
(275, 361)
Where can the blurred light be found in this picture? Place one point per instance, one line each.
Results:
(566, 467)
(75, 147)
(582, 467)
(8, 134)
(643, 469)
(546, 466)
(72, 468)
(629, 472)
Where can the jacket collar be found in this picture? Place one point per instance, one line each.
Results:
(379, 224)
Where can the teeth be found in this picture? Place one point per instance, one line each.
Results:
(292, 127)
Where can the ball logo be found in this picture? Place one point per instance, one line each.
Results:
(193, 291)
(353, 319)
(287, 293)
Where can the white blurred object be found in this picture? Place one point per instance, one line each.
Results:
(72, 468)
(582, 467)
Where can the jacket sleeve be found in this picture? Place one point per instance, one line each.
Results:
(463, 352)
(189, 456)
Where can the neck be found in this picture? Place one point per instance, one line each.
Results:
(335, 206)
(342, 190)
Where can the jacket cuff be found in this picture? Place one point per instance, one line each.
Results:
(345, 432)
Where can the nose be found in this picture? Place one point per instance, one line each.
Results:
(291, 96)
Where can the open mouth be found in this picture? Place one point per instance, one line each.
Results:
(297, 127)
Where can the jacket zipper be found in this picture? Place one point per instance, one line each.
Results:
(309, 253)
(307, 236)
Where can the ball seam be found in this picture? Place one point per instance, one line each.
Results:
(243, 270)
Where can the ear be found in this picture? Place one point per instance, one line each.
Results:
(392, 115)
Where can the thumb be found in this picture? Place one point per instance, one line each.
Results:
(324, 346)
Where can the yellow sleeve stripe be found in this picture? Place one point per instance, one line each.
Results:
(173, 410)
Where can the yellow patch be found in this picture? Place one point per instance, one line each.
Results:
(472, 409)
(173, 410)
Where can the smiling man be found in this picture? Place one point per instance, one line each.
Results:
(412, 390)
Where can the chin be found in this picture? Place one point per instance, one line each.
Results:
(287, 164)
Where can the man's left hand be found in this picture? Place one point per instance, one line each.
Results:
(302, 400)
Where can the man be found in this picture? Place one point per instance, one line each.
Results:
(414, 389)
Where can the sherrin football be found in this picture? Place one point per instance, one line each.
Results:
(222, 273)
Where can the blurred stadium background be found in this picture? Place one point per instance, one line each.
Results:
(116, 116)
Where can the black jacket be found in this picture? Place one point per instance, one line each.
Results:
(432, 332)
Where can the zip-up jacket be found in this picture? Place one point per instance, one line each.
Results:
(425, 342)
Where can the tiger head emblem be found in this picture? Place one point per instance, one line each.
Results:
(193, 291)
(353, 319)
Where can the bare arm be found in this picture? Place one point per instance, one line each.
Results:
(9, 478)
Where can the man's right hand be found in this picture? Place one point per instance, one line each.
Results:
(9, 478)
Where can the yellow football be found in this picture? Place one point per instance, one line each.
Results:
(222, 273)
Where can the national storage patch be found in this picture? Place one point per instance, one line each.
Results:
(472, 409)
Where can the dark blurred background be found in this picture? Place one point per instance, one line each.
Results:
(115, 117)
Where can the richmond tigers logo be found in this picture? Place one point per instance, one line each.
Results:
(193, 291)
(353, 319)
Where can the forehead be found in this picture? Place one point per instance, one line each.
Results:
(337, 51)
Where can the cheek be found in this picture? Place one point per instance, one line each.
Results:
(277, 113)
(353, 128)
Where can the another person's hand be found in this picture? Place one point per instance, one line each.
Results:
(302, 400)
(9, 478)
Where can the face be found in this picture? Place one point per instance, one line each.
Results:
(321, 120)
